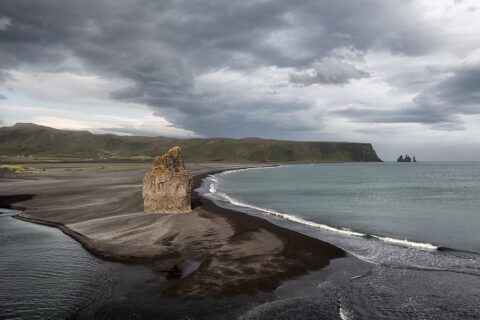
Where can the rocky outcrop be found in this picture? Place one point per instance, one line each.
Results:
(167, 186)
(406, 159)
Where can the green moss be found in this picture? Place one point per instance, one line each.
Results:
(17, 168)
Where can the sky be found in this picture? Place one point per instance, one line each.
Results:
(402, 75)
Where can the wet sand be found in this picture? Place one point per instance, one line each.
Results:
(211, 252)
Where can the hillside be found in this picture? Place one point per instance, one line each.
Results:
(31, 142)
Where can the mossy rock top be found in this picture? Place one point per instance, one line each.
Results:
(171, 162)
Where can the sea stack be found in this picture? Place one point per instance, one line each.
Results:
(167, 186)
(406, 159)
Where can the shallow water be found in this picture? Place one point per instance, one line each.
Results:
(419, 213)
(45, 274)
(41, 282)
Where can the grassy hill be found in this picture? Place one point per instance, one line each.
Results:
(31, 142)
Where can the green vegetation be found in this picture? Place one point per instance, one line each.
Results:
(29, 142)
(17, 169)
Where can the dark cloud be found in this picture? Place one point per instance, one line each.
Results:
(399, 115)
(162, 47)
(5, 23)
(439, 106)
(459, 93)
(2, 97)
(131, 131)
(329, 71)
(263, 119)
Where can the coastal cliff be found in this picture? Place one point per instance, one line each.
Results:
(31, 142)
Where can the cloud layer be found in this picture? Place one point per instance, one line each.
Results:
(320, 70)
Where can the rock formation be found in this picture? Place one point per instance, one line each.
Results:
(167, 186)
(406, 159)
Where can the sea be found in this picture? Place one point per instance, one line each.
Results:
(416, 224)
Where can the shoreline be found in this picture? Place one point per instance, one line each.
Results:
(249, 254)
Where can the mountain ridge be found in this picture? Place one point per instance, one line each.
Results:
(37, 142)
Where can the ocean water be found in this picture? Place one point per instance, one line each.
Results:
(417, 225)
(429, 204)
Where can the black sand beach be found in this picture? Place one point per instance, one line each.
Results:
(101, 207)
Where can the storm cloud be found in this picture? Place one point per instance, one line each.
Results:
(439, 105)
(252, 68)
(459, 93)
(338, 69)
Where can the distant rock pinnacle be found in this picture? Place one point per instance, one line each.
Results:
(406, 159)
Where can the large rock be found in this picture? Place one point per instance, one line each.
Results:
(406, 159)
(167, 186)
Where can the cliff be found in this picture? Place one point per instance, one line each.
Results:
(33, 142)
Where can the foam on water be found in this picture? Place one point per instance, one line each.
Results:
(405, 242)
(212, 188)
(344, 313)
